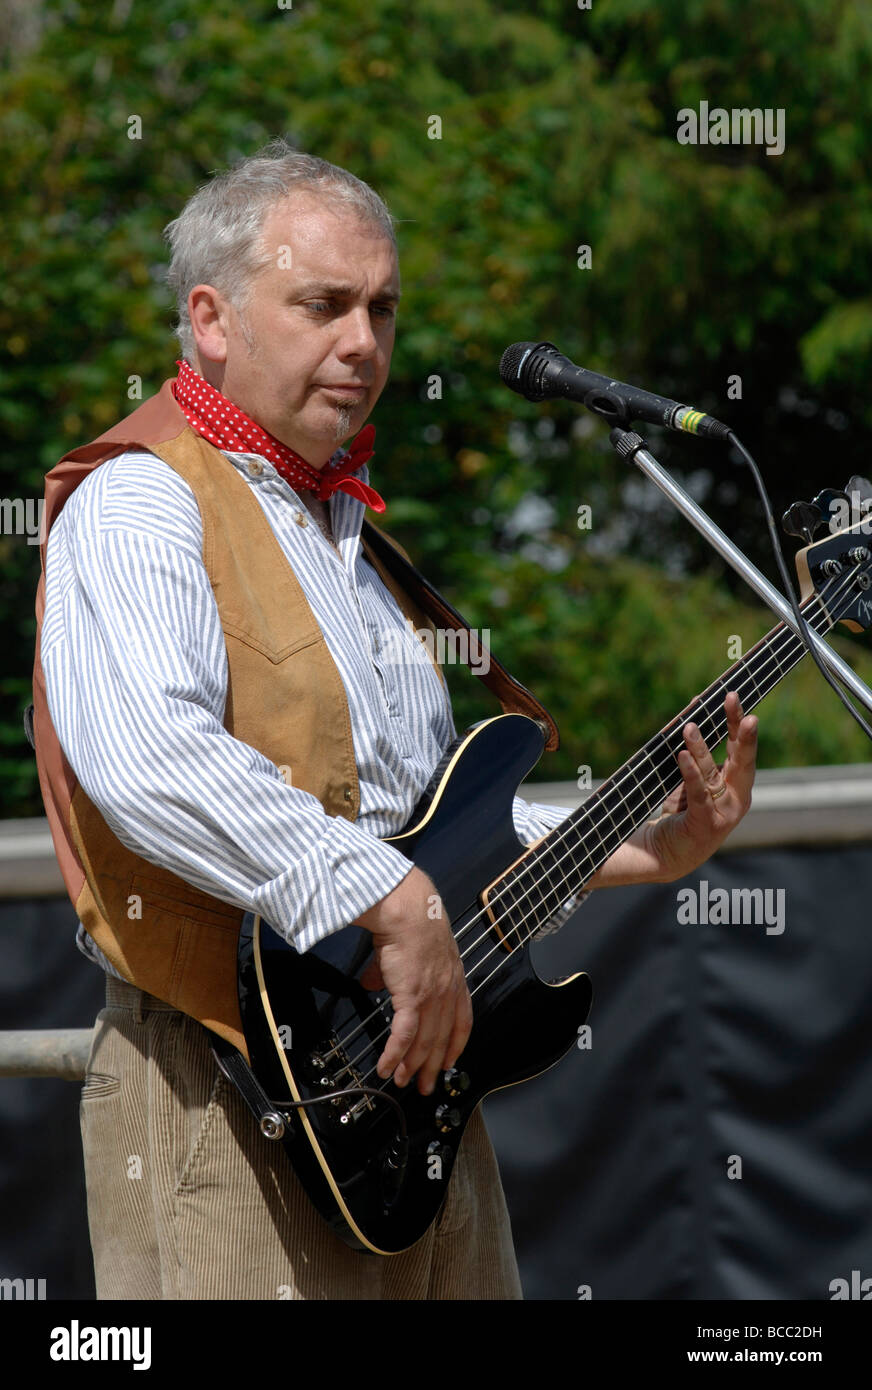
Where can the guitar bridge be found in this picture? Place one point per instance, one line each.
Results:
(331, 1069)
(356, 1110)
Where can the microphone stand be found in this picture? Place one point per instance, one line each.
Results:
(632, 446)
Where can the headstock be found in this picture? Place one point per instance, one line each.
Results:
(832, 509)
(838, 568)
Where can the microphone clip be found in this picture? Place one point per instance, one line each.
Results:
(609, 406)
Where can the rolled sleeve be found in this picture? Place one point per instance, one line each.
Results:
(533, 820)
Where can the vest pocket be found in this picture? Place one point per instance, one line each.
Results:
(180, 900)
(270, 644)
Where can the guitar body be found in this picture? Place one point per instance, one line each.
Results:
(312, 1030)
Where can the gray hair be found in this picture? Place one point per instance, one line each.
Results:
(216, 239)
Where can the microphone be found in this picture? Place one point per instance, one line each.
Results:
(539, 372)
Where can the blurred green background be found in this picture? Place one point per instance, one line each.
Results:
(558, 130)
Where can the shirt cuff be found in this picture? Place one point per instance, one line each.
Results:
(533, 820)
(344, 874)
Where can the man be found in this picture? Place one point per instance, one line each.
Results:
(211, 621)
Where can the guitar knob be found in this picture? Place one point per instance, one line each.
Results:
(447, 1118)
(455, 1082)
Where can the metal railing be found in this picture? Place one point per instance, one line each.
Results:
(794, 806)
(58, 1052)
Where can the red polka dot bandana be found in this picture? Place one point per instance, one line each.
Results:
(217, 419)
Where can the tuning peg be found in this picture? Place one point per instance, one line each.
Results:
(802, 520)
(859, 486)
(825, 501)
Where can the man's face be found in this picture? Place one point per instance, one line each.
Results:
(319, 323)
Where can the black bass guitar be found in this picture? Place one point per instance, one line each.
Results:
(375, 1159)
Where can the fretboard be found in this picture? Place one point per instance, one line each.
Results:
(560, 865)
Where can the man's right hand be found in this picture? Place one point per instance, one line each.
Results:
(418, 963)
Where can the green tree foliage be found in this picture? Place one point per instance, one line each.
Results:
(504, 137)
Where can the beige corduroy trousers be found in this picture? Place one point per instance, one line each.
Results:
(186, 1200)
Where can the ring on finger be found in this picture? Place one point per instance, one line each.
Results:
(720, 791)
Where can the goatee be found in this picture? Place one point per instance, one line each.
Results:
(343, 422)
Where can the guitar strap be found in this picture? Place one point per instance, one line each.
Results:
(271, 1121)
(513, 697)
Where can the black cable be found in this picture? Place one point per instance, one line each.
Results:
(788, 584)
(350, 1091)
(234, 1066)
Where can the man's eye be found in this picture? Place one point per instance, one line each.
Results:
(319, 305)
(385, 311)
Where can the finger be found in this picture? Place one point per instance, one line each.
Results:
(430, 1027)
(404, 1030)
(699, 751)
(736, 719)
(696, 789)
(463, 1019)
(742, 760)
(742, 743)
(435, 1063)
(733, 707)
(733, 711)
(744, 750)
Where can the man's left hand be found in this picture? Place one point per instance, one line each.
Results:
(698, 816)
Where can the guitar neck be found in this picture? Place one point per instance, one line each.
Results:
(561, 864)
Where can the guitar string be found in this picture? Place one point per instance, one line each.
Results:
(782, 639)
(514, 927)
(770, 653)
(714, 719)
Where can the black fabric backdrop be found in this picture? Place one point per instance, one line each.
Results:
(709, 1043)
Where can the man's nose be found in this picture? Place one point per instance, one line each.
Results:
(356, 337)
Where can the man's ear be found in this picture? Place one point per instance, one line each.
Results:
(209, 314)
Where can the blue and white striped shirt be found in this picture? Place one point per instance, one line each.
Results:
(136, 677)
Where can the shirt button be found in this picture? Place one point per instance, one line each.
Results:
(347, 793)
(255, 468)
(300, 519)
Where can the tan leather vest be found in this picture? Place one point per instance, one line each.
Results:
(284, 697)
